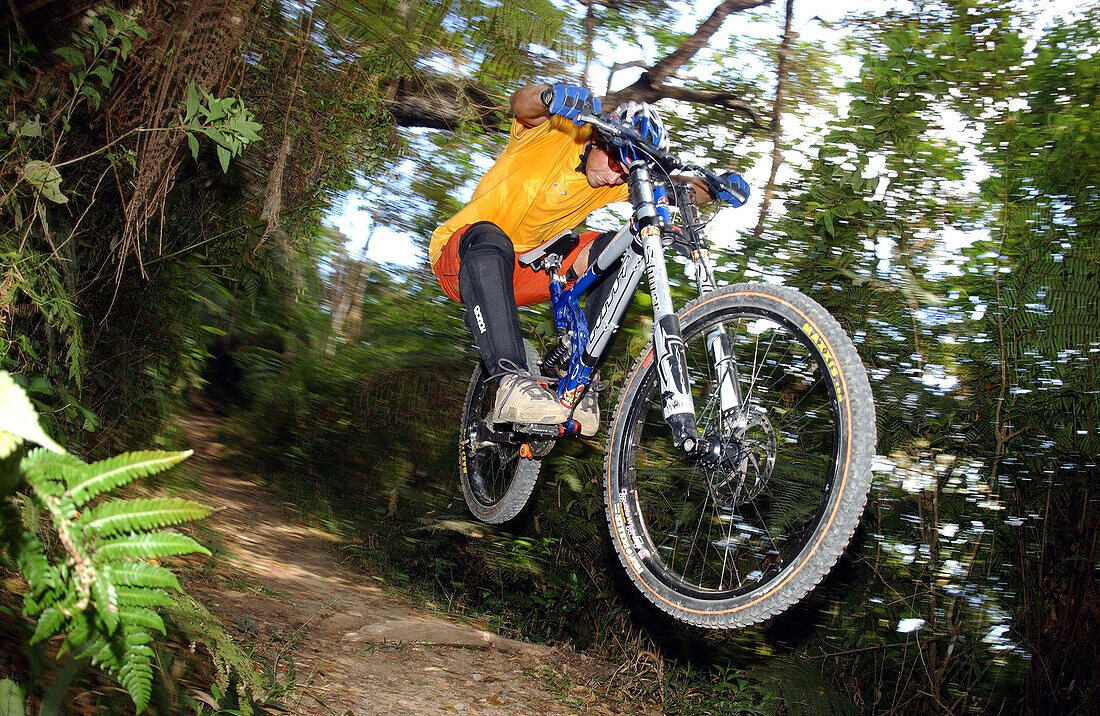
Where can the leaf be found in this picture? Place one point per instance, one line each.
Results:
(11, 698)
(45, 177)
(143, 618)
(50, 622)
(193, 144)
(218, 107)
(137, 677)
(105, 597)
(73, 56)
(36, 568)
(192, 103)
(224, 157)
(142, 574)
(143, 546)
(79, 633)
(41, 466)
(138, 597)
(138, 515)
(100, 29)
(108, 474)
(105, 75)
(29, 128)
(93, 96)
(18, 419)
(216, 136)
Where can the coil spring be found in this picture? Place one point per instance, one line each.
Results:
(559, 354)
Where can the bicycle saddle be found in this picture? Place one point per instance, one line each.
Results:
(559, 246)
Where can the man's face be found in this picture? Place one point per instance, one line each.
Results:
(602, 170)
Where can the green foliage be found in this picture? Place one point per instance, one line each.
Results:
(226, 121)
(90, 566)
(11, 698)
(235, 673)
(66, 244)
(97, 52)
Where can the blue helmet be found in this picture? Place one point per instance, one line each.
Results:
(646, 122)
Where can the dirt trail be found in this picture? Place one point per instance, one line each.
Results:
(355, 649)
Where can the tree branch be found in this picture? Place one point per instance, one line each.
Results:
(443, 103)
(668, 66)
(639, 92)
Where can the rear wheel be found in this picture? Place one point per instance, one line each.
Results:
(497, 481)
(733, 539)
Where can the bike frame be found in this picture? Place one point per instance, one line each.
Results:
(641, 246)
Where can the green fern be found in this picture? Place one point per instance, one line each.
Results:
(96, 588)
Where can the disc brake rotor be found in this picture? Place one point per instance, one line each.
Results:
(747, 459)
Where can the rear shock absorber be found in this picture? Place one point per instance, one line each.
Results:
(558, 356)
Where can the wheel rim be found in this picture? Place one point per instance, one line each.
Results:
(715, 531)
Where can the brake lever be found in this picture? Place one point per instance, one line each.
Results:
(616, 134)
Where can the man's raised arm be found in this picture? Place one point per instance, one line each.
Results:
(533, 104)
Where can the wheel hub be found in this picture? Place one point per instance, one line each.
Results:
(743, 458)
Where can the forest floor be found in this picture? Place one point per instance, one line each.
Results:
(356, 647)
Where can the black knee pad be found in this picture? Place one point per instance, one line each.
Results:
(600, 243)
(485, 237)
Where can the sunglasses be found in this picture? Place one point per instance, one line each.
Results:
(613, 162)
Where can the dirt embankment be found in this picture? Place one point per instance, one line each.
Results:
(356, 649)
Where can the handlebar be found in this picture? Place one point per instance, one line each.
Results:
(619, 134)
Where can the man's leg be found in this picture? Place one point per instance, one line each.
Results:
(588, 410)
(600, 290)
(487, 263)
(485, 282)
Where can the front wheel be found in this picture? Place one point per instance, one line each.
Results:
(732, 540)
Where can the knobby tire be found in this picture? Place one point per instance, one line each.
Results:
(730, 544)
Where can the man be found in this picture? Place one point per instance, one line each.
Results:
(553, 172)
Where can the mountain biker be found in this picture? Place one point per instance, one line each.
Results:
(553, 172)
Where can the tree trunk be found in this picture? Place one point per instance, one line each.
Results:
(777, 115)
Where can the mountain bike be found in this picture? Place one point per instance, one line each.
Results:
(739, 456)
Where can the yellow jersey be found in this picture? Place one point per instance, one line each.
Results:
(533, 191)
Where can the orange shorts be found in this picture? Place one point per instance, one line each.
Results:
(530, 286)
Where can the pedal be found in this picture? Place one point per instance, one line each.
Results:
(536, 430)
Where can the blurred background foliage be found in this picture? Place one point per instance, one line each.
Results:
(934, 184)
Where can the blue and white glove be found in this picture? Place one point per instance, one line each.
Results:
(570, 101)
(734, 190)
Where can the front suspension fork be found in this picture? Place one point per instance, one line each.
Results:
(677, 405)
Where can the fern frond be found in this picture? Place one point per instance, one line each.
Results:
(136, 675)
(141, 597)
(128, 656)
(151, 544)
(118, 516)
(141, 574)
(105, 597)
(52, 620)
(31, 558)
(142, 617)
(100, 651)
(80, 631)
(106, 475)
(49, 472)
